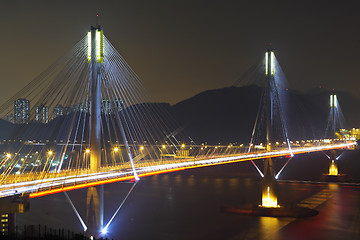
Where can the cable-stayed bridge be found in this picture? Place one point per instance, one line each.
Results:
(50, 183)
(87, 120)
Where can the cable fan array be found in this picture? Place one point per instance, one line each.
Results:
(47, 131)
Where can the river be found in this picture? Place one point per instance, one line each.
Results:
(186, 205)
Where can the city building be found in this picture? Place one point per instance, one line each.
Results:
(118, 105)
(111, 107)
(10, 118)
(58, 111)
(21, 111)
(42, 114)
(348, 134)
(7, 223)
(106, 106)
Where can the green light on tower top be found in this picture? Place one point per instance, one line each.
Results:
(270, 62)
(99, 40)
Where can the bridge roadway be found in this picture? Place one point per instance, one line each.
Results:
(52, 183)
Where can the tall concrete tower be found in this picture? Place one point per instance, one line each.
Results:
(269, 195)
(95, 194)
(95, 58)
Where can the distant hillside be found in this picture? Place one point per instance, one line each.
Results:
(228, 114)
(220, 115)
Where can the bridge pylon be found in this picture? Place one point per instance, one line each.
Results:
(269, 192)
(333, 168)
(95, 206)
(334, 174)
(95, 58)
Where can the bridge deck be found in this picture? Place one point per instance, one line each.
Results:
(37, 185)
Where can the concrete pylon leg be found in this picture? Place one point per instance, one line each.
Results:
(94, 213)
(95, 194)
(95, 106)
(333, 168)
(269, 192)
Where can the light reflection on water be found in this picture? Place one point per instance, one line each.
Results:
(191, 180)
(179, 206)
(219, 185)
(269, 227)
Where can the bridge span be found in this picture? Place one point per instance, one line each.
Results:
(71, 180)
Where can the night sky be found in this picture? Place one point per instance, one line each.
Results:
(180, 48)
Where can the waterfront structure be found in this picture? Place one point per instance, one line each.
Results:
(7, 223)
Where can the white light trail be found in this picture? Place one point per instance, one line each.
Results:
(33, 186)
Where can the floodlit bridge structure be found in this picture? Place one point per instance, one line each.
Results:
(90, 123)
(35, 184)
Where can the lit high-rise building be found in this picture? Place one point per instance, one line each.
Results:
(42, 114)
(10, 118)
(111, 107)
(58, 111)
(118, 105)
(84, 106)
(21, 111)
(7, 224)
(106, 106)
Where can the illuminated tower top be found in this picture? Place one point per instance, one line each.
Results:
(99, 41)
(269, 63)
(333, 101)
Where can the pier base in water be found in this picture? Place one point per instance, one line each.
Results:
(293, 212)
(334, 178)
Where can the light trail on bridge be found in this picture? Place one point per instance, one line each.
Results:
(54, 185)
